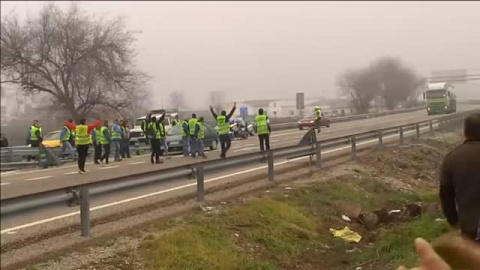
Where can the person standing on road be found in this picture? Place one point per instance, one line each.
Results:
(318, 118)
(192, 123)
(117, 135)
(66, 137)
(460, 182)
(125, 146)
(154, 135)
(223, 128)
(263, 131)
(144, 127)
(200, 137)
(186, 143)
(96, 145)
(163, 137)
(34, 137)
(105, 139)
(82, 140)
(176, 121)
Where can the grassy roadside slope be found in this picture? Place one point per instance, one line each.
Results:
(289, 228)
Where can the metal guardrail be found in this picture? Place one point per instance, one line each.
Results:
(80, 194)
(350, 118)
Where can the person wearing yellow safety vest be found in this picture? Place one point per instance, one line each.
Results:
(317, 113)
(224, 128)
(82, 140)
(35, 136)
(192, 123)
(117, 135)
(153, 130)
(176, 121)
(200, 137)
(104, 138)
(163, 137)
(263, 130)
(66, 138)
(185, 134)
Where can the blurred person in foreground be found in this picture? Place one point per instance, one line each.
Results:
(96, 145)
(104, 137)
(447, 252)
(185, 138)
(4, 140)
(460, 182)
(66, 136)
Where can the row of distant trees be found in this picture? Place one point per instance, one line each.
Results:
(85, 65)
(386, 77)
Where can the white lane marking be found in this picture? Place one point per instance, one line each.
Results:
(108, 167)
(39, 178)
(134, 163)
(11, 172)
(4, 184)
(14, 229)
(69, 173)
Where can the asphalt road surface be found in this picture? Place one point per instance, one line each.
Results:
(31, 181)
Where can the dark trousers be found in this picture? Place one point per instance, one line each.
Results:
(155, 147)
(106, 153)
(82, 156)
(264, 142)
(225, 143)
(98, 152)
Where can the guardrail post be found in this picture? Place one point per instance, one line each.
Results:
(430, 124)
(318, 150)
(353, 153)
(271, 171)
(417, 127)
(401, 135)
(85, 212)
(200, 184)
(380, 139)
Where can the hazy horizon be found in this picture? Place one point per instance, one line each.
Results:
(259, 50)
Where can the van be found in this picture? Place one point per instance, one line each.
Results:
(137, 134)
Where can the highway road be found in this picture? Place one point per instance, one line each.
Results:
(25, 182)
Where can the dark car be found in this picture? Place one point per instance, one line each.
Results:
(310, 122)
(175, 141)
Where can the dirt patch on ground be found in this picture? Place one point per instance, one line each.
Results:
(383, 196)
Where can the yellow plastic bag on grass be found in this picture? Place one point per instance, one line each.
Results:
(346, 234)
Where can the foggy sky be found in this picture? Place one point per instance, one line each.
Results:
(255, 50)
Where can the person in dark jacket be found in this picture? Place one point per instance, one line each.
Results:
(460, 182)
(4, 140)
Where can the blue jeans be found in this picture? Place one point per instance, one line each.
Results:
(66, 145)
(164, 145)
(201, 147)
(125, 147)
(116, 146)
(193, 146)
(186, 146)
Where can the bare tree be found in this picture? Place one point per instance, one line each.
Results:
(360, 86)
(216, 98)
(177, 100)
(82, 62)
(398, 82)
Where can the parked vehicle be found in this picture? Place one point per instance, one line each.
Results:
(52, 139)
(175, 141)
(137, 134)
(310, 122)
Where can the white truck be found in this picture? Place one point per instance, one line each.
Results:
(138, 136)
